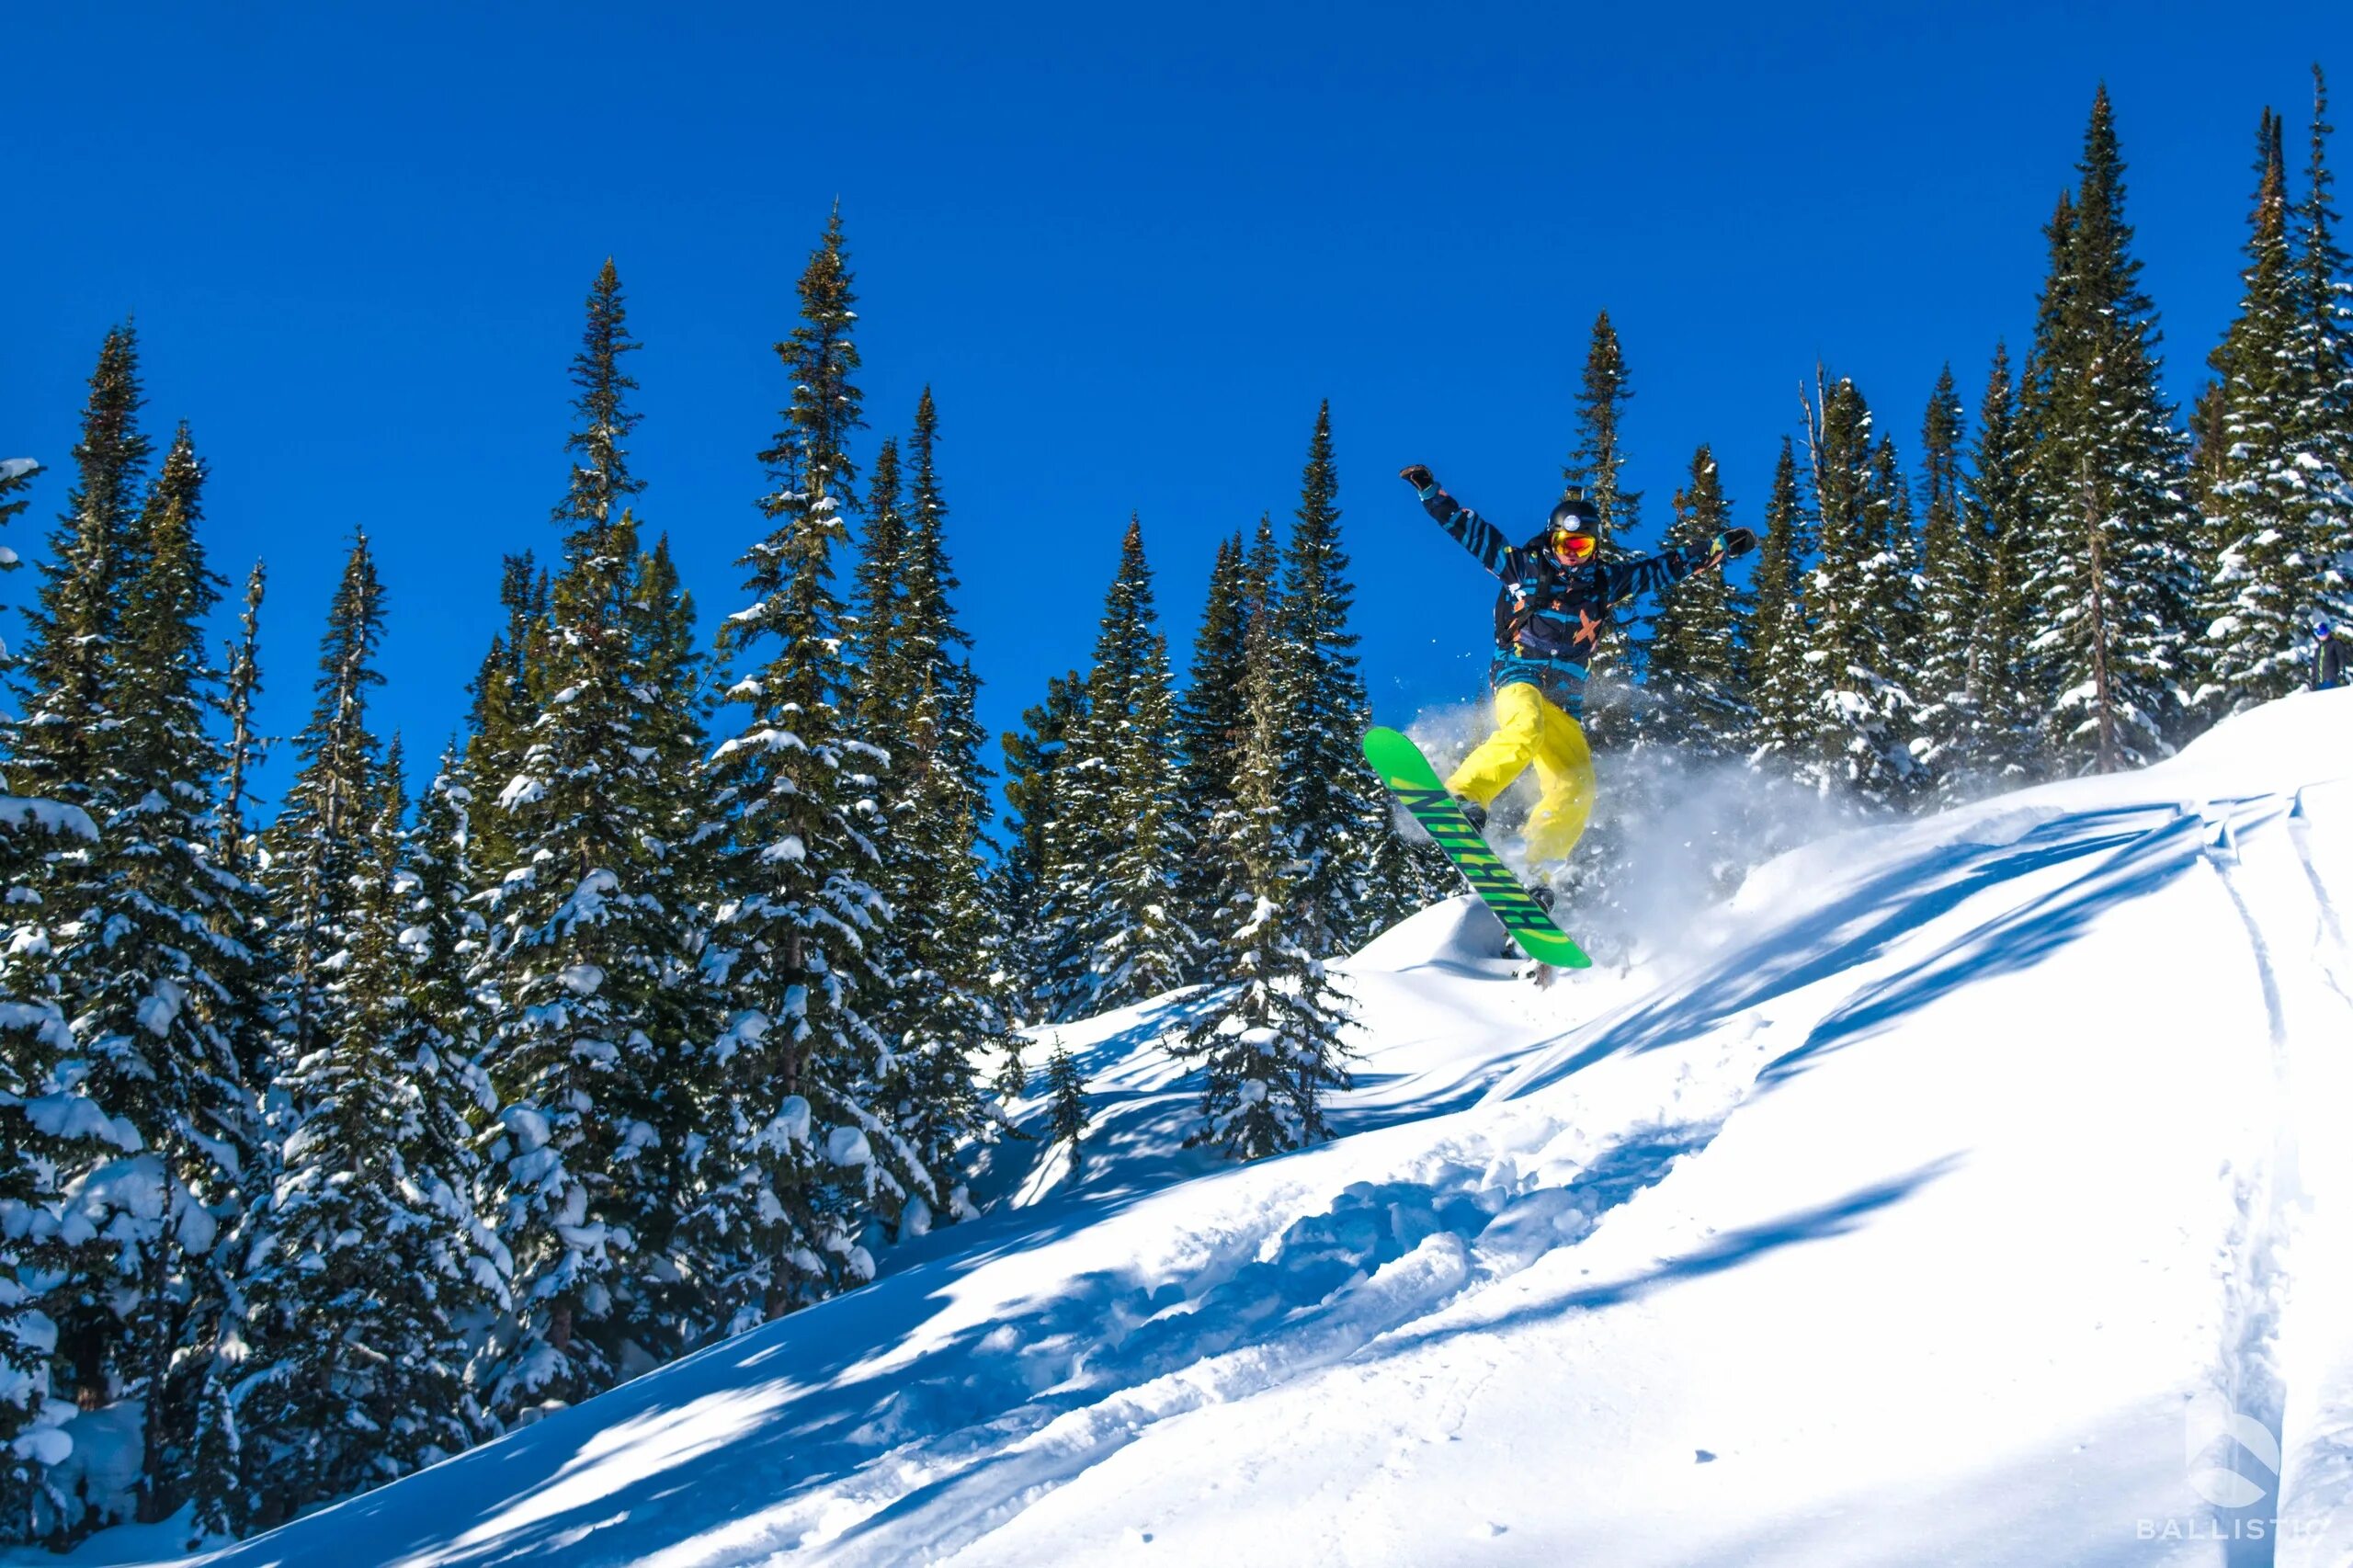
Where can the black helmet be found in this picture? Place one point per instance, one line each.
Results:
(1573, 514)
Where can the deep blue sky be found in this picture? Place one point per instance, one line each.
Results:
(1130, 247)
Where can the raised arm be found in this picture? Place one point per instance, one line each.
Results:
(1647, 573)
(1471, 530)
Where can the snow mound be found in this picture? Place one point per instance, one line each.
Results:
(1972, 1190)
(1461, 933)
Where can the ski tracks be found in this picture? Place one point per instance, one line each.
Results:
(2316, 1475)
(2285, 1360)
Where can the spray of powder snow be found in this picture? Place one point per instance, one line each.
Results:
(1671, 837)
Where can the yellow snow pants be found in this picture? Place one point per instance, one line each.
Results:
(1530, 729)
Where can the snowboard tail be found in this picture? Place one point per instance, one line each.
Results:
(1416, 783)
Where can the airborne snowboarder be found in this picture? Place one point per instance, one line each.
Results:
(1549, 615)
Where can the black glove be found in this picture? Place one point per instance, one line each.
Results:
(1417, 475)
(1732, 545)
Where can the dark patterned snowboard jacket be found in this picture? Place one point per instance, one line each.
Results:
(1549, 616)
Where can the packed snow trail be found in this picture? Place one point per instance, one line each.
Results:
(1977, 1191)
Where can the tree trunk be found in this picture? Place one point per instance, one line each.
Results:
(2103, 702)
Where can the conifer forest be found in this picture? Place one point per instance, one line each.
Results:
(461, 1084)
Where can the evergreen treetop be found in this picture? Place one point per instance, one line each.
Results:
(601, 482)
(1696, 668)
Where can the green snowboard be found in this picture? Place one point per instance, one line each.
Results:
(1407, 772)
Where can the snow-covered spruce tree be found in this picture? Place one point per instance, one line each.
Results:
(2210, 444)
(1115, 841)
(2111, 565)
(1211, 717)
(2005, 744)
(1780, 629)
(207, 919)
(443, 939)
(504, 707)
(1011, 1080)
(1597, 462)
(318, 844)
(1904, 549)
(1033, 754)
(234, 848)
(366, 1255)
(2266, 579)
(1696, 714)
(1353, 879)
(143, 937)
(807, 1158)
(1955, 574)
(949, 735)
(1599, 875)
(46, 1129)
(1066, 1100)
(1272, 1042)
(59, 748)
(1698, 670)
(879, 671)
(51, 845)
(1262, 574)
(944, 934)
(1862, 593)
(598, 1017)
(601, 482)
(1862, 705)
(2323, 349)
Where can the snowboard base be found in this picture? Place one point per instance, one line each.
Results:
(1410, 777)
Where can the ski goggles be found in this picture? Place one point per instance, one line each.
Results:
(1573, 548)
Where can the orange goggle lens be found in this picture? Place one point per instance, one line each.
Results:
(1574, 549)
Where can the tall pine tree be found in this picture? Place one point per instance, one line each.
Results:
(1863, 706)
(2111, 566)
(1271, 1042)
(1112, 928)
(144, 957)
(2266, 578)
(2004, 747)
(1211, 719)
(1352, 863)
(47, 1129)
(370, 1260)
(808, 1158)
(1955, 575)
(1779, 627)
(918, 699)
(1597, 464)
(1034, 755)
(2323, 349)
(1698, 671)
(318, 843)
(597, 1012)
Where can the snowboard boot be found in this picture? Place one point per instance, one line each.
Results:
(1474, 810)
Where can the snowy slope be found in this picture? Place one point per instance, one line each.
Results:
(1962, 1191)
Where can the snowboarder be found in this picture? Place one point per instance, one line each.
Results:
(1549, 615)
(2328, 657)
